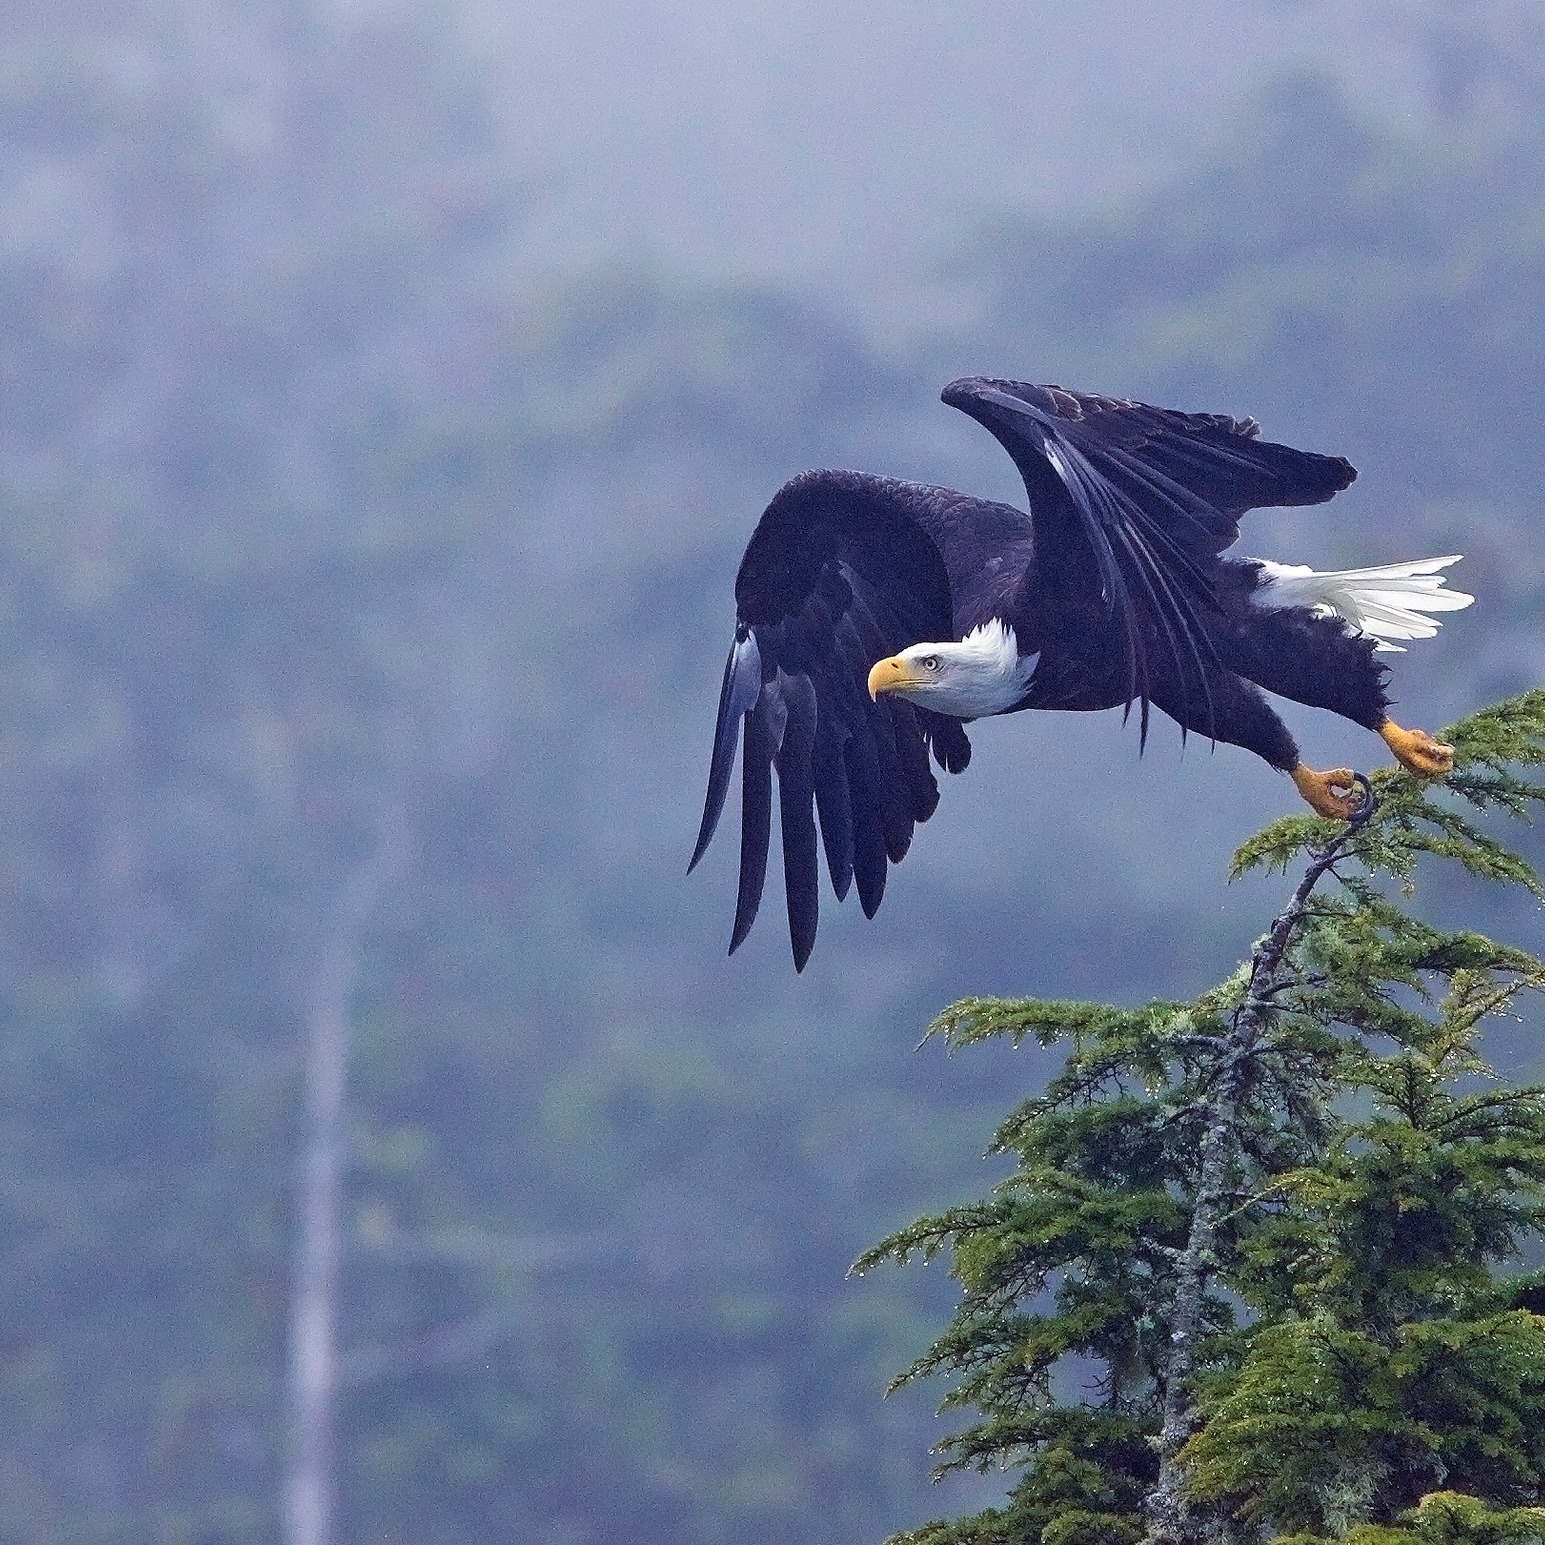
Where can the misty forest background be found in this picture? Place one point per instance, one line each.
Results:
(364, 589)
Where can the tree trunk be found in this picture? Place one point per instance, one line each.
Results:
(1169, 1514)
(314, 1362)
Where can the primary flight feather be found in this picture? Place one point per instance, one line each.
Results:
(875, 617)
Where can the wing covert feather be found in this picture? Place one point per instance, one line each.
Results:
(1143, 500)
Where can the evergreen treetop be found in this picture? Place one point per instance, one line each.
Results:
(1255, 1275)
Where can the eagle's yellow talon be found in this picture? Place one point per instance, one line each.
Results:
(1417, 751)
(1332, 794)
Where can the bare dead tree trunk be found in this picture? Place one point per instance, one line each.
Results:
(1170, 1520)
(314, 1362)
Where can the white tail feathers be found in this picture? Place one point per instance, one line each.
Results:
(1383, 603)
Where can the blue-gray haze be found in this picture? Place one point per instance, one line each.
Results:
(385, 396)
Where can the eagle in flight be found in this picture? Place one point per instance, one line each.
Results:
(876, 618)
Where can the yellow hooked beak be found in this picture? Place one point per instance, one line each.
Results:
(887, 675)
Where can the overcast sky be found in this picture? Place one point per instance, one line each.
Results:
(847, 140)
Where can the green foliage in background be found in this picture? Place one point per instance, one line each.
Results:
(313, 503)
(1322, 267)
(1256, 1271)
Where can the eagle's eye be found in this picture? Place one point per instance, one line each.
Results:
(930, 662)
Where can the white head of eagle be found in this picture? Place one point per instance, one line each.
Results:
(982, 674)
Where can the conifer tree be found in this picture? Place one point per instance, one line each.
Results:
(1256, 1274)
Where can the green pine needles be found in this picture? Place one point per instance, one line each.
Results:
(1257, 1273)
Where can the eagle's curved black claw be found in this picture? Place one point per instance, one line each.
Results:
(1369, 804)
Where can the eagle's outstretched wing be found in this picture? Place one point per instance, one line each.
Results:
(1146, 497)
(838, 574)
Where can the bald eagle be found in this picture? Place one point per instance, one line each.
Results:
(875, 618)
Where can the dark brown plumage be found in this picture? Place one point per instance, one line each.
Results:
(1114, 580)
